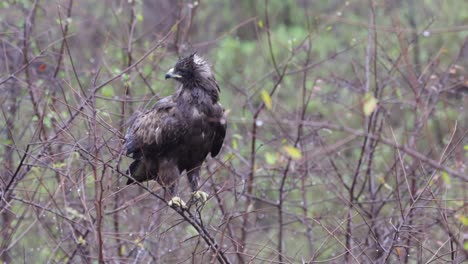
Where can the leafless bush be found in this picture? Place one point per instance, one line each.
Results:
(355, 155)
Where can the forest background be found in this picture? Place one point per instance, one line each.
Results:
(347, 131)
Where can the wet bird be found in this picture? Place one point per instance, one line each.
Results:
(178, 132)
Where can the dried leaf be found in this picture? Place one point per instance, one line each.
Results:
(399, 251)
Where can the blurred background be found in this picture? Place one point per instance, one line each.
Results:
(347, 130)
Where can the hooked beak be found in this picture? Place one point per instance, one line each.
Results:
(171, 74)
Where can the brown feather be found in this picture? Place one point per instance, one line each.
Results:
(179, 131)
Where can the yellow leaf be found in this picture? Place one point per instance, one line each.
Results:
(385, 184)
(266, 99)
(369, 104)
(270, 158)
(260, 23)
(446, 178)
(139, 17)
(293, 152)
(59, 165)
(81, 241)
(463, 219)
(229, 156)
(123, 250)
(174, 28)
(138, 242)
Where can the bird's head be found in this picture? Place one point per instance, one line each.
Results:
(190, 69)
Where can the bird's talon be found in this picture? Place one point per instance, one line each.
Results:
(177, 202)
(199, 196)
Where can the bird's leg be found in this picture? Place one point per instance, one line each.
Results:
(168, 174)
(174, 200)
(197, 195)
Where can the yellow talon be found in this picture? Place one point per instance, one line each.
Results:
(199, 196)
(177, 202)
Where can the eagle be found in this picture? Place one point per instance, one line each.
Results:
(178, 132)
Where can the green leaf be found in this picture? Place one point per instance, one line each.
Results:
(59, 165)
(293, 152)
(398, 93)
(270, 158)
(47, 121)
(191, 230)
(229, 156)
(7, 142)
(266, 99)
(238, 136)
(369, 103)
(125, 77)
(234, 143)
(465, 245)
(446, 178)
(107, 91)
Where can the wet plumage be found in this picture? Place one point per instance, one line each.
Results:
(179, 131)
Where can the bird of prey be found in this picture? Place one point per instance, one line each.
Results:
(178, 132)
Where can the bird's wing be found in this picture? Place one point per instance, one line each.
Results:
(219, 126)
(154, 130)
